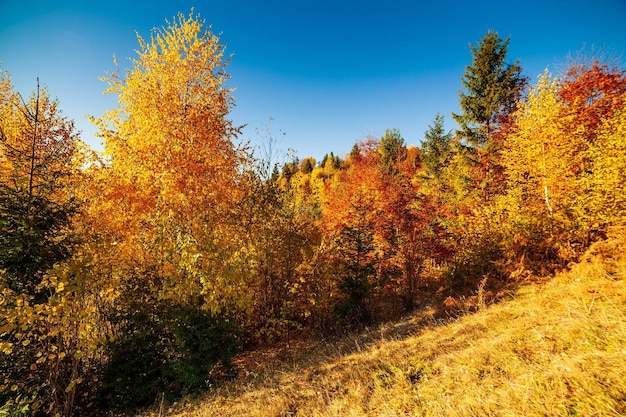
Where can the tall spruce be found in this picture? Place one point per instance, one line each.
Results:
(437, 155)
(491, 89)
(436, 148)
(390, 150)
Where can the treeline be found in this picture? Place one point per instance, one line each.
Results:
(136, 274)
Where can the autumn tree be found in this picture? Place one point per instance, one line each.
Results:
(350, 222)
(560, 160)
(171, 177)
(307, 165)
(276, 235)
(537, 163)
(42, 311)
(491, 88)
(411, 227)
(593, 94)
(331, 161)
(602, 185)
(38, 148)
(173, 164)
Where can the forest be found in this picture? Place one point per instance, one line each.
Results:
(136, 274)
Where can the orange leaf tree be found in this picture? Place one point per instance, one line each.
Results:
(172, 166)
(170, 178)
(593, 95)
(381, 227)
(350, 221)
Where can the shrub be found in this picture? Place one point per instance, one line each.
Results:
(163, 350)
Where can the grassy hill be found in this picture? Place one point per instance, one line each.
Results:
(551, 349)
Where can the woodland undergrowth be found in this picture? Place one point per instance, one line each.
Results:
(552, 349)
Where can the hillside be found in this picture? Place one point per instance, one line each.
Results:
(134, 277)
(557, 348)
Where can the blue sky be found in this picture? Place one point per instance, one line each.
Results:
(328, 72)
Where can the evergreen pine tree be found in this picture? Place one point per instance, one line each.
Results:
(390, 149)
(491, 89)
(437, 148)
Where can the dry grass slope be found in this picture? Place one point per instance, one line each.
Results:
(555, 349)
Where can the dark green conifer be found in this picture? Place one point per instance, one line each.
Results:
(491, 90)
(391, 148)
(437, 148)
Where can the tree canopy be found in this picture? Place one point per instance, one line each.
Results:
(135, 274)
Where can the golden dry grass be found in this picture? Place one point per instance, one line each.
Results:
(554, 349)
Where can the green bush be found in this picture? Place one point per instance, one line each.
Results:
(163, 351)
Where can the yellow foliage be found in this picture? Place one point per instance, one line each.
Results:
(565, 178)
(41, 340)
(172, 167)
(558, 348)
(538, 154)
(603, 189)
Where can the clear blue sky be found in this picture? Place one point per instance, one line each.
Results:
(329, 72)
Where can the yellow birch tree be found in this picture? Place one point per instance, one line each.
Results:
(169, 180)
(172, 164)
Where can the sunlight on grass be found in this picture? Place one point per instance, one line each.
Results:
(554, 349)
